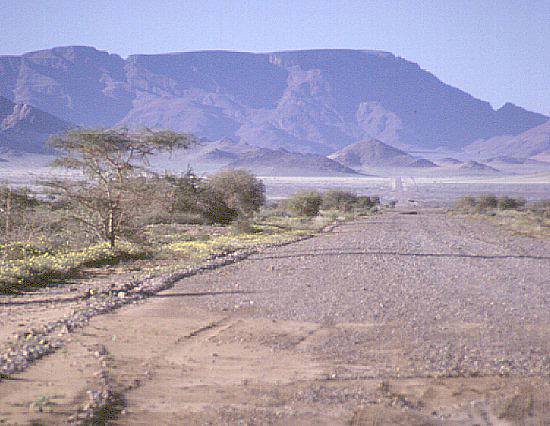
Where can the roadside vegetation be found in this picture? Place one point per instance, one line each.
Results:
(120, 211)
(338, 203)
(513, 213)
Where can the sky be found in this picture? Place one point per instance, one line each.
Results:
(496, 50)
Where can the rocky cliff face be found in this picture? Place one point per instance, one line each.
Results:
(77, 84)
(24, 128)
(311, 101)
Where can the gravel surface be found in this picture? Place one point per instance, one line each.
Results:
(437, 295)
(393, 317)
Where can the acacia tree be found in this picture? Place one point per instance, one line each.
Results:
(112, 163)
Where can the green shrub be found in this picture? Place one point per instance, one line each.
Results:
(487, 201)
(214, 209)
(240, 190)
(508, 203)
(221, 198)
(241, 226)
(305, 203)
(466, 203)
(541, 208)
(274, 209)
(343, 201)
(185, 192)
(367, 202)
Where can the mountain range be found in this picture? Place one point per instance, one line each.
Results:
(311, 101)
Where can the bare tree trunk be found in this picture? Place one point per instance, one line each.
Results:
(9, 203)
(111, 231)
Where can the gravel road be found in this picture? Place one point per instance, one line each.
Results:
(453, 296)
(394, 319)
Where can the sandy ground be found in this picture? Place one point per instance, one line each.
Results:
(397, 319)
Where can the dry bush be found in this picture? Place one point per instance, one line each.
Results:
(111, 162)
(305, 203)
(541, 209)
(508, 203)
(278, 209)
(366, 204)
(346, 201)
(466, 203)
(15, 207)
(487, 201)
(242, 226)
(337, 199)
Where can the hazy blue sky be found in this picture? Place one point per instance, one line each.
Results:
(497, 50)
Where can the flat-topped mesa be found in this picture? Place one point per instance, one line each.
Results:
(315, 101)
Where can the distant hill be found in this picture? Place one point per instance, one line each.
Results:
(448, 161)
(504, 159)
(543, 156)
(478, 168)
(527, 144)
(219, 155)
(315, 101)
(374, 153)
(422, 162)
(222, 151)
(280, 162)
(24, 128)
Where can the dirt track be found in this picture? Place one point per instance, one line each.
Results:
(397, 319)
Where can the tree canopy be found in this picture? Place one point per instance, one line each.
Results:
(111, 161)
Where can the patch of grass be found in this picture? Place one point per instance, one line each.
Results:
(512, 213)
(21, 250)
(259, 235)
(41, 269)
(183, 251)
(169, 247)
